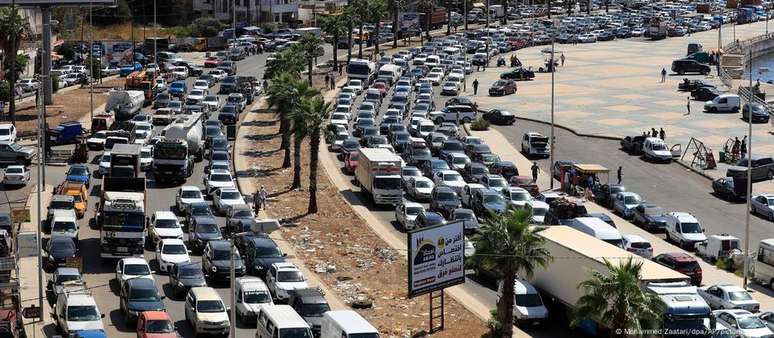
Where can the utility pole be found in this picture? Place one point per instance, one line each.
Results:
(553, 70)
(155, 39)
(232, 288)
(12, 101)
(91, 60)
(465, 14)
(748, 185)
(40, 186)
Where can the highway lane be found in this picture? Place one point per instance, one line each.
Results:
(669, 185)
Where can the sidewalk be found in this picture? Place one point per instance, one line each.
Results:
(28, 266)
(711, 274)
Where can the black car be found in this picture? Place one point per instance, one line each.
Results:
(138, 295)
(691, 85)
(730, 188)
(310, 304)
(428, 219)
(468, 217)
(59, 249)
(444, 200)
(202, 230)
(228, 118)
(650, 217)
(498, 116)
(161, 100)
(228, 85)
(216, 261)
(5, 222)
(259, 253)
(683, 66)
(349, 145)
(461, 101)
(633, 144)
(474, 171)
(604, 194)
(502, 87)
(760, 113)
(218, 144)
(183, 276)
(401, 141)
(518, 74)
(211, 132)
(384, 127)
(506, 169)
(487, 201)
(605, 36)
(450, 146)
(705, 93)
(239, 219)
(474, 152)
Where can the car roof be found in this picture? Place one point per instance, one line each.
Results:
(219, 244)
(635, 239)
(522, 287)
(140, 283)
(134, 260)
(169, 241)
(205, 293)
(220, 171)
(684, 217)
(165, 215)
(251, 283)
(285, 266)
(68, 271)
(679, 256)
(156, 315)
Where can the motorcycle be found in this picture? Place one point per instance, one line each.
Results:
(500, 62)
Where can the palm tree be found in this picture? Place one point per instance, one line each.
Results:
(395, 6)
(448, 18)
(302, 90)
(335, 26)
(286, 61)
(310, 47)
(376, 10)
(614, 297)
(426, 6)
(13, 29)
(314, 112)
(281, 94)
(349, 14)
(508, 246)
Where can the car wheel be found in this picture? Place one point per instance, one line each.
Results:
(20, 160)
(771, 216)
(770, 175)
(466, 120)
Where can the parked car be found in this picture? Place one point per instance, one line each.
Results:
(683, 66)
(683, 263)
(742, 323)
(762, 168)
(649, 216)
(763, 205)
(728, 296)
(502, 87)
(625, 202)
(499, 116)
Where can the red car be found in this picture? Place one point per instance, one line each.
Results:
(382, 88)
(211, 62)
(526, 183)
(350, 162)
(682, 263)
(155, 324)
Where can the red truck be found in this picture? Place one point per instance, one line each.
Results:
(437, 18)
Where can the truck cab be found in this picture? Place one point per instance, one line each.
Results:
(685, 309)
(171, 160)
(79, 193)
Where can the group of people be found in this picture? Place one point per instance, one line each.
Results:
(738, 149)
(330, 80)
(655, 133)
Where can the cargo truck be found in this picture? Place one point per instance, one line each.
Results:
(581, 254)
(435, 18)
(171, 160)
(121, 217)
(125, 160)
(378, 174)
(188, 128)
(125, 103)
(657, 28)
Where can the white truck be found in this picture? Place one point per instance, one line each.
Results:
(188, 128)
(496, 12)
(121, 217)
(390, 73)
(363, 70)
(561, 278)
(378, 174)
(125, 103)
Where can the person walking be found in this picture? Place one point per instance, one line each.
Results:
(662, 134)
(688, 105)
(619, 174)
(535, 169)
(653, 132)
(663, 75)
(735, 148)
(341, 69)
(263, 196)
(743, 147)
(562, 59)
(327, 78)
(475, 86)
(257, 202)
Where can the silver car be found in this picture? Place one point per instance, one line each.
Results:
(763, 205)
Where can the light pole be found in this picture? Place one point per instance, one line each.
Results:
(91, 61)
(41, 185)
(748, 184)
(155, 39)
(553, 70)
(232, 327)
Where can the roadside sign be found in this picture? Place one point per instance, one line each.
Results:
(20, 215)
(436, 258)
(31, 312)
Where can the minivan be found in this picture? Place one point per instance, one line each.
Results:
(597, 228)
(280, 321)
(726, 103)
(346, 324)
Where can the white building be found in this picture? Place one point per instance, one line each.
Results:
(249, 11)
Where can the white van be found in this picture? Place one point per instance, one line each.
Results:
(433, 61)
(726, 103)
(280, 321)
(390, 73)
(528, 307)
(764, 263)
(346, 324)
(598, 228)
(655, 149)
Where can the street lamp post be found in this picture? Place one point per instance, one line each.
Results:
(748, 184)
(232, 327)
(91, 61)
(552, 143)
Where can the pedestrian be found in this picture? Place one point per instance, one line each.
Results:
(333, 82)
(735, 148)
(662, 134)
(663, 75)
(475, 86)
(688, 105)
(264, 195)
(562, 58)
(257, 202)
(743, 147)
(535, 169)
(341, 69)
(327, 78)
(653, 132)
(478, 67)
(619, 174)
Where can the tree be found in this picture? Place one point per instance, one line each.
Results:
(286, 61)
(358, 13)
(395, 6)
(206, 27)
(314, 112)
(336, 27)
(13, 29)
(280, 95)
(302, 90)
(426, 6)
(507, 247)
(614, 297)
(310, 47)
(376, 10)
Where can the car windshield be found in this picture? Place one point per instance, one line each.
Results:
(75, 171)
(200, 209)
(463, 216)
(493, 198)
(63, 227)
(14, 171)
(191, 194)
(166, 223)
(411, 172)
(497, 182)
(423, 184)
(461, 160)
(219, 156)
(230, 195)
(659, 146)
(691, 228)
(750, 322)
(61, 279)
(190, 271)
(452, 177)
(220, 177)
(446, 196)
(257, 297)
(739, 295)
(82, 313)
(159, 326)
(63, 247)
(136, 269)
(528, 300)
(441, 165)
(290, 276)
(414, 211)
(144, 295)
(520, 196)
(207, 228)
(174, 249)
(314, 310)
(297, 332)
(654, 211)
(210, 306)
(242, 213)
(388, 183)
(631, 199)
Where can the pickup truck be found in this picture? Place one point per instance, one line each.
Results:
(762, 169)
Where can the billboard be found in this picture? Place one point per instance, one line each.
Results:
(436, 258)
(409, 22)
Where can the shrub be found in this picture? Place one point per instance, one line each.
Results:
(54, 83)
(494, 325)
(480, 124)
(66, 50)
(5, 93)
(206, 27)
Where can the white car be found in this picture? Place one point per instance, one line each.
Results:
(164, 225)
(638, 245)
(449, 178)
(161, 84)
(355, 83)
(684, 229)
(284, 278)
(132, 267)
(495, 182)
(77, 311)
(171, 251)
(97, 140)
(104, 163)
(251, 292)
(16, 175)
(340, 119)
(516, 197)
(197, 95)
(528, 307)
(218, 74)
(406, 214)
(7, 133)
(146, 157)
(218, 179)
(763, 205)
(435, 78)
(420, 188)
(28, 85)
(625, 202)
(212, 101)
(539, 210)
(743, 323)
(180, 73)
(225, 199)
(201, 84)
(450, 88)
(728, 296)
(186, 195)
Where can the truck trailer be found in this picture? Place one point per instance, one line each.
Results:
(378, 174)
(188, 128)
(125, 103)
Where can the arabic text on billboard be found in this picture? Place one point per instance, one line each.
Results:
(409, 22)
(436, 258)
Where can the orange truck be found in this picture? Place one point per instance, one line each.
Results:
(143, 81)
(80, 195)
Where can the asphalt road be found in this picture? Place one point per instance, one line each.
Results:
(671, 186)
